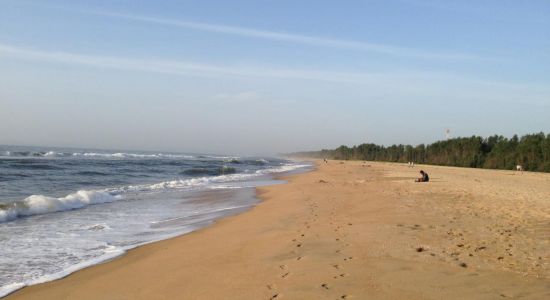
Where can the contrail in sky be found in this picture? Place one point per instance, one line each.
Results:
(289, 37)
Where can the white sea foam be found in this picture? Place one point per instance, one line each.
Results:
(109, 253)
(201, 212)
(184, 183)
(224, 187)
(10, 288)
(131, 155)
(281, 169)
(40, 204)
(53, 154)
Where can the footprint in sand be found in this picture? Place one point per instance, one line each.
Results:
(325, 286)
(340, 276)
(274, 297)
(285, 275)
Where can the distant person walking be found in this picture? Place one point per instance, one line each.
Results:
(423, 177)
(519, 168)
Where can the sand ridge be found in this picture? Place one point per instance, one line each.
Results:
(349, 230)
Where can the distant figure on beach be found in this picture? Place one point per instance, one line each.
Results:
(519, 168)
(326, 160)
(411, 164)
(424, 177)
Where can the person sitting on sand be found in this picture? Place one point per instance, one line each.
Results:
(424, 178)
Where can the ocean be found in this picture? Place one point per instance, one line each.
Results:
(65, 209)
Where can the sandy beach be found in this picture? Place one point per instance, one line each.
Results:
(349, 230)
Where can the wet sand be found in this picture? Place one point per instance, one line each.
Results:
(349, 230)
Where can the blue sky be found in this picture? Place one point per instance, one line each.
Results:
(261, 77)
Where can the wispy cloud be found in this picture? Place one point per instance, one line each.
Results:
(406, 84)
(175, 67)
(291, 38)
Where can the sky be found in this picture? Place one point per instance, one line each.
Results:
(262, 77)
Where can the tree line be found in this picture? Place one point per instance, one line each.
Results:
(532, 151)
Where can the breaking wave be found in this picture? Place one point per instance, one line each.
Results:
(124, 155)
(40, 204)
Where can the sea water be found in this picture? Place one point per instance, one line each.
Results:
(65, 209)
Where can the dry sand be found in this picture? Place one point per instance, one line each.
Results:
(349, 230)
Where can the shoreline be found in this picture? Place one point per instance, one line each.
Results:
(276, 178)
(208, 195)
(285, 243)
(246, 194)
